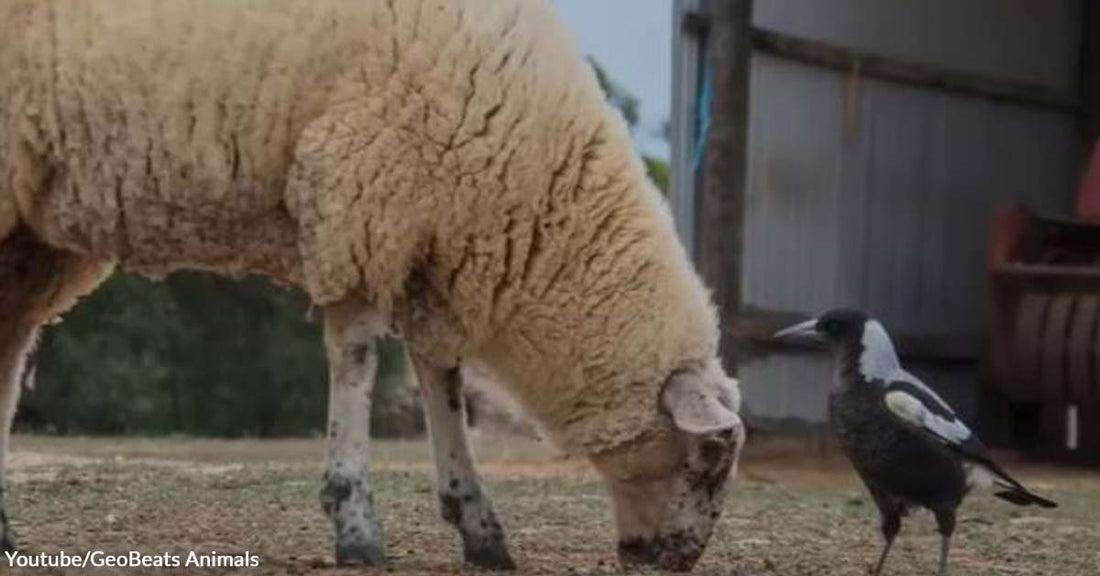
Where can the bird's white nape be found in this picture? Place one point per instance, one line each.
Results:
(878, 360)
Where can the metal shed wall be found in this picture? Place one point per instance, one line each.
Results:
(869, 194)
(876, 194)
(1025, 40)
(684, 129)
(866, 193)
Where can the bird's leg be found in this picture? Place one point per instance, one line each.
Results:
(945, 547)
(891, 525)
(882, 558)
(946, 522)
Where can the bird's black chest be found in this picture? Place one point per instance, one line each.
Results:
(892, 458)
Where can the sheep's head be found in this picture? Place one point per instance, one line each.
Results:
(668, 487)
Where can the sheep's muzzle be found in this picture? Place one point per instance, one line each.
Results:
(676, 552)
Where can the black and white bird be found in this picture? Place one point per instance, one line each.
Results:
(908, 446)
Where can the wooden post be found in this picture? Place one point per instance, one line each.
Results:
(720, 210)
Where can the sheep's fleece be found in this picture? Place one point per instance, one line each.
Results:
(454, 163)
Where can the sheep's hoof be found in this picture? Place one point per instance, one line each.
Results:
(360, 553)
(491, 556)
(7, 541)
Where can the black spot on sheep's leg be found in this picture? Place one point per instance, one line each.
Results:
(349, 504)
(335, 491)
(471, 414)
(451, 508)
(359, 353)
(483, 541)
(452, 384)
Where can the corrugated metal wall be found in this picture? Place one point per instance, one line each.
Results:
(877, 195)
(1027, 40)
(684, 123)
(867, 193)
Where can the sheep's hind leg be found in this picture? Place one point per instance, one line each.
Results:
(15, 339)
(351, 342)
(462, 497)
(36, 283)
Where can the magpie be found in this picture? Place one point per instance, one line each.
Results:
(907, 445)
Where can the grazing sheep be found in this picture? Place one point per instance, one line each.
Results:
(446, 170)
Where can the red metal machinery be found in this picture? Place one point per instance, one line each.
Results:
(1044, 320)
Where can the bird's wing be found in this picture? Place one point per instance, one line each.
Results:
(917, 405)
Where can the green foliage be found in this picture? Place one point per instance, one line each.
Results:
(658, 172)
(196, 354)
(618, 96)
(100, 370)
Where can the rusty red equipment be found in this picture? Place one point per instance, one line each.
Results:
(1043, 349)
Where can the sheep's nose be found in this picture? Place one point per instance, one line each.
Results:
(672, 554)
(682, 559)
(637, 552)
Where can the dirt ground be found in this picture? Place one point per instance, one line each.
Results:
(792, 512)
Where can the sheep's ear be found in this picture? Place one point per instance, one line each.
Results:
(695, 407)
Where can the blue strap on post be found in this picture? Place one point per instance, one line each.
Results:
(703, 120)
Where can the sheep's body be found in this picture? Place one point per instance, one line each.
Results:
(458, 136)
(451, 166)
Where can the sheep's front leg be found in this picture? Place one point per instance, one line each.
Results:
(351, 342)
(462, 497)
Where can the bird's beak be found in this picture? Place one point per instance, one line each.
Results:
(807, 329)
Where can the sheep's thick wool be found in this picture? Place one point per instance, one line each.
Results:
(453, 161)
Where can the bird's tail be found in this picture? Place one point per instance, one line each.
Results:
(1020, 496)
(989, 475)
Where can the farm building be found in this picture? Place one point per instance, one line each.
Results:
(856, 153)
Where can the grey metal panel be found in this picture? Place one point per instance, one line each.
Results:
(1025, 40)
(878, 195)
(683, 136)
(871, 194)
(786, 388)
